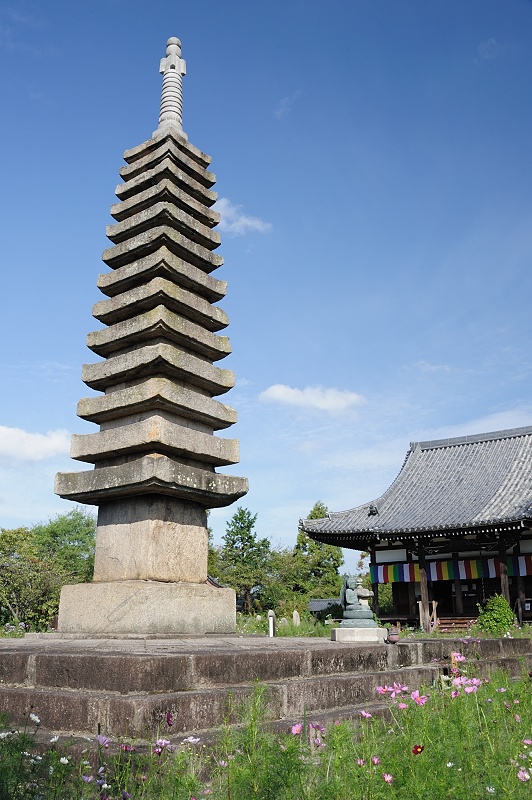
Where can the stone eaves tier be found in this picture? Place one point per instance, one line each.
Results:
(446, 487)
(158, 413)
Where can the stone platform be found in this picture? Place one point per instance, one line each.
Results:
(128, 684)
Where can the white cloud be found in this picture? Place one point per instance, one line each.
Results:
(488, 50)
(20, 445)
(518, 417)
(234, 222)
(333, 400)
(285, 104)
(425, 366)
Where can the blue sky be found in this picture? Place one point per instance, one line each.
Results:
(373, 160)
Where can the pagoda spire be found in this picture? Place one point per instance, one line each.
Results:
(172, 67)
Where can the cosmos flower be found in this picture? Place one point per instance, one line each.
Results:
(417, 749)
(419, 699)
(366, 715)
(387, 777)
(297, 728)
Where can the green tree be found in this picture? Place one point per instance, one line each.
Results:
(36, 562)
(68, 541)
(317, 564)
(243, 558)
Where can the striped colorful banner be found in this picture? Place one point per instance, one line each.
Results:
(465, 569)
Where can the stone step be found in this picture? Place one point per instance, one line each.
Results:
(127, 686)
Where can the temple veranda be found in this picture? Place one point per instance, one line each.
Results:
(155, 454)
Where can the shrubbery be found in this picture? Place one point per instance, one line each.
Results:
(496, 617)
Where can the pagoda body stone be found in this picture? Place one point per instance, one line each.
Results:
(156, 452)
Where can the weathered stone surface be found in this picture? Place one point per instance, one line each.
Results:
(151, 538)
(162, 264)
(157, 359)
(146, 607)
(163, 213)
(159, 323)
(168, 148)
(362, 635)
(154, 435)
(141, 150)
(151, 240)
(165, 190)
(167, 169)
(151, 475)
(160, 291)
(310, 694)
(157, 394)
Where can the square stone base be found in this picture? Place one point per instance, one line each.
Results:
(362, 635)
(146, 607)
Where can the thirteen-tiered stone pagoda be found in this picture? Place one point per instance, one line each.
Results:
(155, 454)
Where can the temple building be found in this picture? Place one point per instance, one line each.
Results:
(454, 527)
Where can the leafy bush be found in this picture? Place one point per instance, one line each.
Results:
(496, 618)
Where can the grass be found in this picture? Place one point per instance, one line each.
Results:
(259, 624)
(468, 738)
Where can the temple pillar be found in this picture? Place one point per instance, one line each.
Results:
(505, 585)
(424, 616)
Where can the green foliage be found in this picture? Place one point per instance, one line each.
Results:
(497, 617)
(36, 562)
(243, 557)
(317, 564)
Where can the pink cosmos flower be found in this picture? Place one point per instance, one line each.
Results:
(470, 689)
(419, 699)
(455, 694)
(387, 777)
(523, 775)
(381, 689)
(517, 718)
(296, 729)
(162, 742)
(375, 760)
(366, 715)
(458, 657)
(527, 741)
(460, 681)
(402, 705)
(361, 762)
(316, 726)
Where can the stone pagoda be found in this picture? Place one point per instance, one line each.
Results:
(155, 453)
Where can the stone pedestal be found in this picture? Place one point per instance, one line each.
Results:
(362, 635)
(146, 607)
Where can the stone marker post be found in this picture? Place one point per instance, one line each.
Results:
(155, 453)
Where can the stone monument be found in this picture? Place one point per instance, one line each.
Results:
(358, 623)
(155, 453)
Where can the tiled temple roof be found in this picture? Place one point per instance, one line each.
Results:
(447, 485)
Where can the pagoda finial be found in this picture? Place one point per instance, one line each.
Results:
(173, 67)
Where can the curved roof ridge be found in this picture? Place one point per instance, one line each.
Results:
(507, 433)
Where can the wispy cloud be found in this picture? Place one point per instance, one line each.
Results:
(235, 223)
(488, 50)
(284, 106)
(425, 366)
(315, 397)
(14, 23)
(19, 445)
